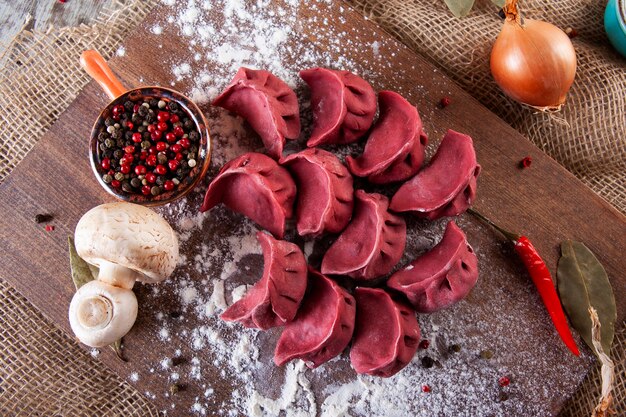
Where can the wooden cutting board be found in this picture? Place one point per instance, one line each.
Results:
(503, 313)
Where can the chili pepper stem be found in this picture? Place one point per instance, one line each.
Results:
(509, 235)
(542, 279)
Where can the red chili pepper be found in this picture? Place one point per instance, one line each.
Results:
(542, 279)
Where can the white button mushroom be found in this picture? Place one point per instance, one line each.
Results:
(128, 242)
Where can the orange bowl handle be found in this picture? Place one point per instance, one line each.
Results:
(93, 63)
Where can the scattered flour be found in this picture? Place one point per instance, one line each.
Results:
(376, 48)
(217, 300)
(188, 295)
(134, 377)
(231, 367)
(238, 293)
(295, 386)
(166, 363)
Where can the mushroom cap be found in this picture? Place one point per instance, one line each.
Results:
(128, 235)
(100, 313)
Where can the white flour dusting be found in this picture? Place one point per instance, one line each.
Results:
(229, 368)
(238, 293)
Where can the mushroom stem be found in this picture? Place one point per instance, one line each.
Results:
(117, 275)
(95, 312)
(100, 313)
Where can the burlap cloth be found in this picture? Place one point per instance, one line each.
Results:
(44, 372)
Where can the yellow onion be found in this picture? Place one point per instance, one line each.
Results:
(532, 61)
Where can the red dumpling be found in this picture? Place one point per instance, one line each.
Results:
(446, 187)
(343, 105)
(386, 333)
(395, 148)
(325, 193)
(254, 185)
(268, 105)
(440, 277)
(275, 298)
(371, 245)
(404, 168)
(323, 326)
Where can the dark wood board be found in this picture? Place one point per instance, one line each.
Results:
(544, 202)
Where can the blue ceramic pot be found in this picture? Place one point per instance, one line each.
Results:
(615, 24)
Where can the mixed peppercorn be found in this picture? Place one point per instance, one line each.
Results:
(148, 146)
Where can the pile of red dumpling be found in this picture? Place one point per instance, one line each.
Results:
(321, 317)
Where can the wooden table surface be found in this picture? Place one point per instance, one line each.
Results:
(41, 14)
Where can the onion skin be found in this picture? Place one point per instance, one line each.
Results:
(533, 62)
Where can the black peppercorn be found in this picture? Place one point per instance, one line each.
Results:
(427, 362)
(118, 138)
(486, 354)
(178, 360)
(43, 218)
(454, 348)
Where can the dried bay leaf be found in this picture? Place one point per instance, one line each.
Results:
(94, 271)
(117, 348)
(460, 8)
(583, 283)
(499, 3)
(81, 271)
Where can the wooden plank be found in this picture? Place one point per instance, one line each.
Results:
(42, 14)
(545, 202)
